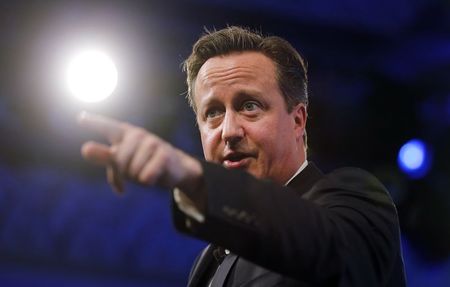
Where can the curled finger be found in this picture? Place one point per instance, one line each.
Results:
(115, 179)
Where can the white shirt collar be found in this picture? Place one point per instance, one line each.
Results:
(302, 167)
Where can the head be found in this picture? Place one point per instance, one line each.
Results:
(291, 69)
(270, 81)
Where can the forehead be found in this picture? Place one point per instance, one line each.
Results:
(250, 66)
(256, 62)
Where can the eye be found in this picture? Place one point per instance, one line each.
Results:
(212, 113)
(250, 106)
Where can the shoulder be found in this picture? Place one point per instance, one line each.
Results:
(352, 178)
(351, 184)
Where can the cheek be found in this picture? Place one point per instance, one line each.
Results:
(268, 139)
(209, 144)
(205, 146)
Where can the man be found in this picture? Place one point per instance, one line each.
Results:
(249, 94)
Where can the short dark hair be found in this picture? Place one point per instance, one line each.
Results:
(291, 68)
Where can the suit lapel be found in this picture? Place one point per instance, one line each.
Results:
(201, 265)
(222, 272)
(204, 261)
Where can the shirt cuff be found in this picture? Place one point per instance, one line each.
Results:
(187, 206)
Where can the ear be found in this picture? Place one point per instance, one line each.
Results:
(299, 115)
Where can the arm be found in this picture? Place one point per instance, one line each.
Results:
(339, 231)
(343, 230)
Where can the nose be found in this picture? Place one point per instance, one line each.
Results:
(232, 130)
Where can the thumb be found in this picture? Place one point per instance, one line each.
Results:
(97, 153)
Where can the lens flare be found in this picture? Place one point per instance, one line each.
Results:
(92, 76)
(414, 158)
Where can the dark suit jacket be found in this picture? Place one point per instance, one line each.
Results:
(339, 229)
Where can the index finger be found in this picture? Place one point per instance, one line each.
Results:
(110, 128)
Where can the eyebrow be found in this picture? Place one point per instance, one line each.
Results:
(250, 93)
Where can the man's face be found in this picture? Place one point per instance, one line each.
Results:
(243, 119)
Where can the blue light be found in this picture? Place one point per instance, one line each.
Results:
(414, 158)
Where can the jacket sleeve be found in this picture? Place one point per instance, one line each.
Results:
(343, 231)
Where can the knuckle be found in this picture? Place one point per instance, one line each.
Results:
(146, 177)
(164, 154)
(148, 142)
(132, 171)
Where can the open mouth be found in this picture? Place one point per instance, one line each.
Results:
(236, 160)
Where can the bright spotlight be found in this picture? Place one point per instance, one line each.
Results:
(414, 158)
(92, 76)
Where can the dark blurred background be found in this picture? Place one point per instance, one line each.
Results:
(379, 77)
